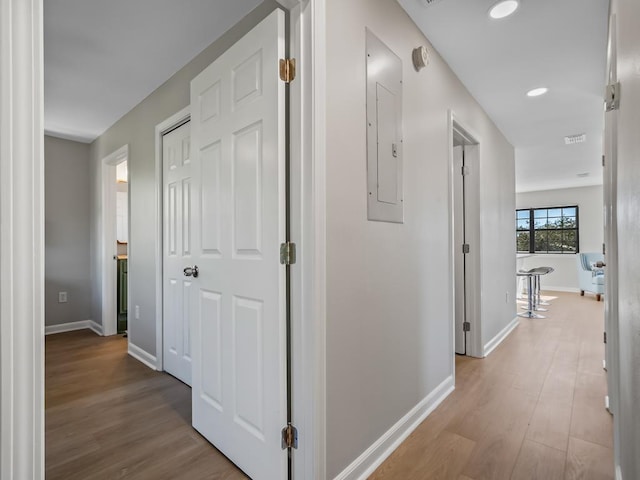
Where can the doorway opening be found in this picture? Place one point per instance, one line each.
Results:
(465, 219)
(115, 241)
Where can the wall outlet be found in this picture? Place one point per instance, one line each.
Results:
(62, 297)
(137, 312)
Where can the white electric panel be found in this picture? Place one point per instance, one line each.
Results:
(384, 133)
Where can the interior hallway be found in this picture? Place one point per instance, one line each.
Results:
(532, 410)
(110, 417)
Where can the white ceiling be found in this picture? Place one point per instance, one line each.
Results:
(559, 44)
(102, 58)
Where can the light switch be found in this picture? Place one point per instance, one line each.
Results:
(62, 297)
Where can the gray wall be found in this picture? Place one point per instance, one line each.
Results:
(389, 317)
(627, 421)
(67, 261)
(589, 199)
(137, 129)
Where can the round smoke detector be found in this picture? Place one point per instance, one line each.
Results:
(420, 57)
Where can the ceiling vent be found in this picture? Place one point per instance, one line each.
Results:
(428, 3)
(573, 139)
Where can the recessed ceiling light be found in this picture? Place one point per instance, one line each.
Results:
(503, 9)
(536, 92)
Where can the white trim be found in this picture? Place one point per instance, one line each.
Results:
(107, 238)
(499, 338)
(308, 297)
(618, 472)
(73, 326)
(142, 356)
(314, 295)
(474, 230)
(95, 328)
(21, 241)
(163, 127)
(377, 453)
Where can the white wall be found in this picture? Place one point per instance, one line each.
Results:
(389, 318)
(628, 60)
(137, 129)
(67, 261)
(591, 232)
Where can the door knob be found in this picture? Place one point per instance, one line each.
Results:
(191, 271)
(600, 264)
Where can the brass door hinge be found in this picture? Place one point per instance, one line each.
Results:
(288, 253)
(287, 69)
(289, 437)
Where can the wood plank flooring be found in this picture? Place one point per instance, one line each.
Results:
(109, 417)
(532, 410)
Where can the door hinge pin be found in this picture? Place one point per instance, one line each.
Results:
(605, 337)
(466, 248)
(287, 69)
(288, 253)
(466, 327)
(603, 160)
(289, 437)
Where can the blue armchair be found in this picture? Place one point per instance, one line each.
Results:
(590, 279)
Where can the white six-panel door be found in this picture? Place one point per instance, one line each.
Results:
(238, 160)
(178, 249)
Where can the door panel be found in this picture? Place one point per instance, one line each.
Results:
(238, 135)
(177, 226)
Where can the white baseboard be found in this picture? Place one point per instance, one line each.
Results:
(561, 289)
(497, 340)
(72, 327)
(618, 473)
(142, 356)
(95, 327)
(372, 458)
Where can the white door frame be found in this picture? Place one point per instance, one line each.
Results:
(22, 243)
(307, 27)
(108, 239)
(473, 236)
(174, 121)
(610, 183)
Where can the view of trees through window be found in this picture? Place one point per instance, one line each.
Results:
(547, 230)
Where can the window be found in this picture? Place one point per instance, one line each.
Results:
(547, 230)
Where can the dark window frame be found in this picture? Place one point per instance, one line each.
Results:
(532, 230)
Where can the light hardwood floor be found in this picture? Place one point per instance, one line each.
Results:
(532, 410)
(110, 417)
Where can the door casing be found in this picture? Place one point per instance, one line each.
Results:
(473, 235)
(108, 239)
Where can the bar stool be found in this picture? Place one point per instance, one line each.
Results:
(531, 307)
(538, 272)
